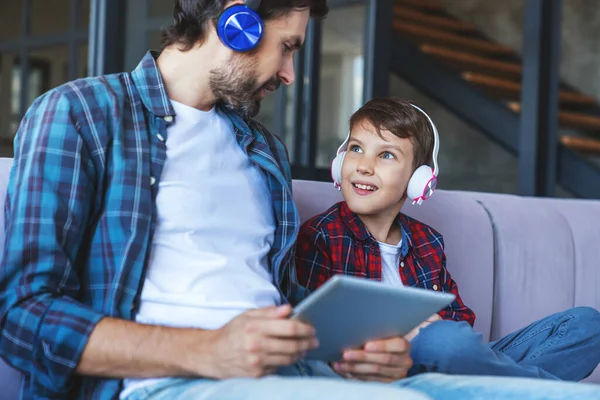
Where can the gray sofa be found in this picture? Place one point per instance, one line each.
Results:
(515, 259)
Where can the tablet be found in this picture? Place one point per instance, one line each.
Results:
(347, 312)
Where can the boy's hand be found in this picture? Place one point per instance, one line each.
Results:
(385, 360)
(411, 335)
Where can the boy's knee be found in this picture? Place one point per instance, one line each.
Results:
(444, 341)
(588, 319)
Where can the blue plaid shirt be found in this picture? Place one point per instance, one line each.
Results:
(80, 215)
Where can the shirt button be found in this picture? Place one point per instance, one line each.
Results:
(435, 287)
(402, 264)
(160, 137)
(169, 118)
(152, 180)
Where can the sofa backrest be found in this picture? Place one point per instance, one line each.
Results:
(546, 257)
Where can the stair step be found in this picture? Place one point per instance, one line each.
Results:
(424, 34)
(514, 88)
(409, 14)
(586, 145)
(569, 119)
(427, 5)
(461, 59)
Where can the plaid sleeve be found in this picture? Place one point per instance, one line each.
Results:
(50, 192)
(456, 311)
(313, 265)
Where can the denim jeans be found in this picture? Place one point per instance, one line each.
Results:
(315, 381)
(563, 346)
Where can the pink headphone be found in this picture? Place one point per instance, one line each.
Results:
(423, 181)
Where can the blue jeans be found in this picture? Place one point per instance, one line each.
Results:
(315, 381)
(563, 346)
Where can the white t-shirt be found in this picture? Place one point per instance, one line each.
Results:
(215, 228)
(390, 259)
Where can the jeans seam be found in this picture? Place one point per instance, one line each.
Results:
(537, 332)
(561, 334)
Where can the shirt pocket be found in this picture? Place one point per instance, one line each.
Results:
(428, 275)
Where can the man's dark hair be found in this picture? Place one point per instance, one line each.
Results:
(400, 118)
(190, 17)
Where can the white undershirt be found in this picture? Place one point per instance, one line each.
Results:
(390, 260)
(215, 227)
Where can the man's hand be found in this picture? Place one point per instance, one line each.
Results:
(412, 334)
(383, 360)
(258, 342)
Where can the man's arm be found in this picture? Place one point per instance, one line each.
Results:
(253, 344)
(50, 193)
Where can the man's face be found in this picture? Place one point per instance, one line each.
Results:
(243, 81)
(376, 171)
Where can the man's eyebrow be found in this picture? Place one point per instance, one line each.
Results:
(296, 42)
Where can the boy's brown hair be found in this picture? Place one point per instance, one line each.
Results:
(400, 118)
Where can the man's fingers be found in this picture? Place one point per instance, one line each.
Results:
(287, 346)
(281, 328)
(385, 359)
(393, 345)
(372, 370)
(270, 312)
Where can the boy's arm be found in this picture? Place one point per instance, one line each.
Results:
(456, 311)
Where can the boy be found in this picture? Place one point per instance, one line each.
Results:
(385, 162)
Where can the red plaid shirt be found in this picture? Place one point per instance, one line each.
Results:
(337, 242)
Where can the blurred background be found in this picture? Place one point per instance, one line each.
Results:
(512, 86)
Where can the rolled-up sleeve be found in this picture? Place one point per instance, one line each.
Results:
(44, 329)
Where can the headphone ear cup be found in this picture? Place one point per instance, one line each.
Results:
(240, 28)
(336, 168)
(422, 183)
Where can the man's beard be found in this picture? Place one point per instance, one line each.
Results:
(235, 85)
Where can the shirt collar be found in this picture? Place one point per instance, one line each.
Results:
(150, 86)
(360, 231)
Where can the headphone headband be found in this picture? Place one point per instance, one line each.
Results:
(436, 141)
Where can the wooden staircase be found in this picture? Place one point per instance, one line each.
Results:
(489, 66)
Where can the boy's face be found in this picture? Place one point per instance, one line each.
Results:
(376, 171)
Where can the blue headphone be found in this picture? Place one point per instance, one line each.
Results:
(240, 27)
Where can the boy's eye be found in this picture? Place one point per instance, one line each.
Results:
(387, 155)
(355, 148)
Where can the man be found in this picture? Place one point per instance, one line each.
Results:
(147, 220)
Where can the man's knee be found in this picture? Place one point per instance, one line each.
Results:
(445, 341)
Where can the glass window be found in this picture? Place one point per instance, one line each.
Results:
(50, 17)
(7, 102)
(84, 21)
(161, 8)
(468, 160)
(341, 86)
(10, 19)
(82, 61)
